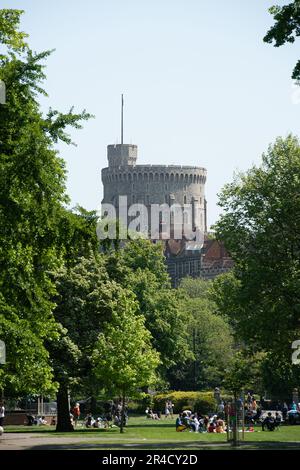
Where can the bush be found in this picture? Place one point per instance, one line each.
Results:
(201, 402)
(139, 406)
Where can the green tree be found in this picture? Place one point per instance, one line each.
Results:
(209, 336)
(260, 227)
(140, 264)
(77, 236)
(224, 292)
(279, 375)
(286, 28)
(32, 194)
(244, 372)
(124, 359)
(10, 35)
(86, 299)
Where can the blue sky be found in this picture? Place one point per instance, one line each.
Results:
(201, 88)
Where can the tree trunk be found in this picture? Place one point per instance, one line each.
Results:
(122, 412)
(63, 412)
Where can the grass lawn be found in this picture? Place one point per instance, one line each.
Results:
(144, 433)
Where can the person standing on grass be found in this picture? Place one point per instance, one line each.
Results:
(167, 409)
(76, 413)
(171, 407)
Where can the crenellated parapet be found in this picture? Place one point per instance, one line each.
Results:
(156, 173)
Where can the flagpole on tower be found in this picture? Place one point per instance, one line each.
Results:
(122, 108)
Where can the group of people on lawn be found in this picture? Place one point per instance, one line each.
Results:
(188, 421)
(111, 418)
(169, 410)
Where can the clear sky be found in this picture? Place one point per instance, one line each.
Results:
(201, 88)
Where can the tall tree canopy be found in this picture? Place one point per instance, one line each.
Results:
(209, 338)
(124, 358)
(286, 28)
(140, 264)
(32, 196)
(87, 298)
(260, 226)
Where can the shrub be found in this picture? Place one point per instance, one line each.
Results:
(201, 402)
(139, 406)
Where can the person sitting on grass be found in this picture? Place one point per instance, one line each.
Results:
(268, 422)
(206, 422)
(202, 427)
(42, 421)
(277, 420)
(151, 414)
(186, 419)
(179, 424)
(97, 423)
(220, 426)
(30, 420)
(211, 427)
(194, 423)
(89, 421)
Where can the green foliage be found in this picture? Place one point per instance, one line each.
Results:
(124, 358)
(201, 402)
(76, 234)
(260, 227)
(9, 30)
(32, 196)
(86, 300)
(244, 372)
(279, 375)
(286, 28)
(140, 264)
(209, 337)
(145, 255)
(224, 292)
(195, 288)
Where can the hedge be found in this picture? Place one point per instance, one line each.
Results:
(201, 402)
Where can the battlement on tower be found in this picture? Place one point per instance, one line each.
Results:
(120, 155)
(156, 173)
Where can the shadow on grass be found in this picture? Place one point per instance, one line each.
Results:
(53, 432)
(171, 445)
(270, 445)
(133, 446)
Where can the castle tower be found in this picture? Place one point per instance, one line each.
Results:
(157, 184)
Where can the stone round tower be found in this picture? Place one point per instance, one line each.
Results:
(153, 184)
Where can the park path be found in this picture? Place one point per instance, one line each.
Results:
(32, 441)
(20, 441)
